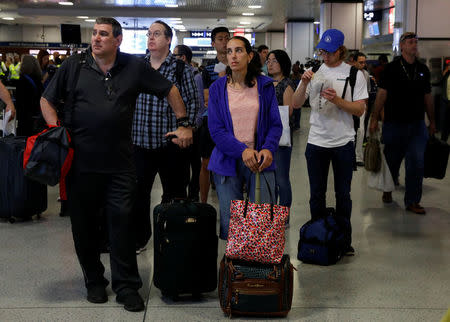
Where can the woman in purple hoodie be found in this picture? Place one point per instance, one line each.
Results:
(245, 125)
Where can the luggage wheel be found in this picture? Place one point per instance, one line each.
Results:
(11, 220)
(173, 297)
(38, 216)
(197, 296)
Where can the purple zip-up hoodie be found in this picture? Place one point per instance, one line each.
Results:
(228, 149)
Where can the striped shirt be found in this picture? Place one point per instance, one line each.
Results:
(153, 117)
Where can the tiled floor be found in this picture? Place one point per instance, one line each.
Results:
(401, 271)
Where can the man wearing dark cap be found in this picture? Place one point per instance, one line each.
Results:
(404, 91)
(332, 135)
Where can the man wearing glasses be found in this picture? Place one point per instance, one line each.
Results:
(153, 118)
(331, 136)
(103, 172)
(404, 91)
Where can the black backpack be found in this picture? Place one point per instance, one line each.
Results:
(351, 79)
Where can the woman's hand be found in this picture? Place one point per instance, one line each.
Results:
(266, 157)
(250, 158)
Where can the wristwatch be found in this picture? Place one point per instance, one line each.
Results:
(184, 122)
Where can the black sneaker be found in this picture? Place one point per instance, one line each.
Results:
(97, 294)
(131, 300)
(350, 251)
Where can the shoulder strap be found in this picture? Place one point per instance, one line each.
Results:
(69, 102)
(352, 80)
(179, 72)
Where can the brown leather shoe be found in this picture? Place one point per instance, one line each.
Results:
(416, 208)
(387, 197)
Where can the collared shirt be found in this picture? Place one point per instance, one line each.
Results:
(103, 108)
(406, 86)
(153, 116)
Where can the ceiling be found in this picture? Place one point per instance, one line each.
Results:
(195, 14)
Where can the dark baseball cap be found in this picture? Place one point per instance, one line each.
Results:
(408, 35)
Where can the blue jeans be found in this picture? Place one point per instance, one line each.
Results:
(283, 189)
(230, 188)
(408, 141)
(318, 160)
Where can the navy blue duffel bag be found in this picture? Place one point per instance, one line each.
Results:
(322, 241)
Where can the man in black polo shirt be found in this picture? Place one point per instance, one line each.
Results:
(103, 172)
(404, 91)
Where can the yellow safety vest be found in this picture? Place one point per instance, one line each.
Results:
(2, 69)
(14, 71)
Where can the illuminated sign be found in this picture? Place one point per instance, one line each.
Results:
(201, 34)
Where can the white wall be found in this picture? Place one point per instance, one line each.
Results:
(433, 19)
(347, 17)
(299, 38)
(275, 40)
(37, 33)
(10, 33)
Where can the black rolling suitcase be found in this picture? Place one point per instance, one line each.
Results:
(185, 244)
(19, 197)
(436, 158)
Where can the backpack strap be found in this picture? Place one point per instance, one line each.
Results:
(179, 71)
(69, 102)
(352, 80)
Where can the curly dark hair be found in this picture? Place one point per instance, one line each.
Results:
(252, 69)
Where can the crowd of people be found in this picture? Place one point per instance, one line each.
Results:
(133, 118)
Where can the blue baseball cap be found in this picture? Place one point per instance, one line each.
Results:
(331, 40)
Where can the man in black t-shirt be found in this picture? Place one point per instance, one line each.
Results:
(213, 70)
(404, 91)
(103, 173)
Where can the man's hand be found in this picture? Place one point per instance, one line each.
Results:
(250, 158)
(266, 157)
(307, 76)
(432, 128)
(329, 94)
(11, 108)
(373, 126)
(183, 136)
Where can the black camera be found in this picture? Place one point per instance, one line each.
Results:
(51, 70)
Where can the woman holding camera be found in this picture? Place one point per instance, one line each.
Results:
(331, 136)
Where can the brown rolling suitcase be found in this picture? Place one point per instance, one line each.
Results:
(254, 289)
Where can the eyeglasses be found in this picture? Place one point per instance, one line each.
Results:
(323, 52)
(177, 55)
(271, 61)
(155, 34)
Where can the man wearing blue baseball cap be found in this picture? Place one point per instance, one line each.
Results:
(331, 136)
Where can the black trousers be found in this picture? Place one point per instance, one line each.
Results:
(172, 165)
(88, 193)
